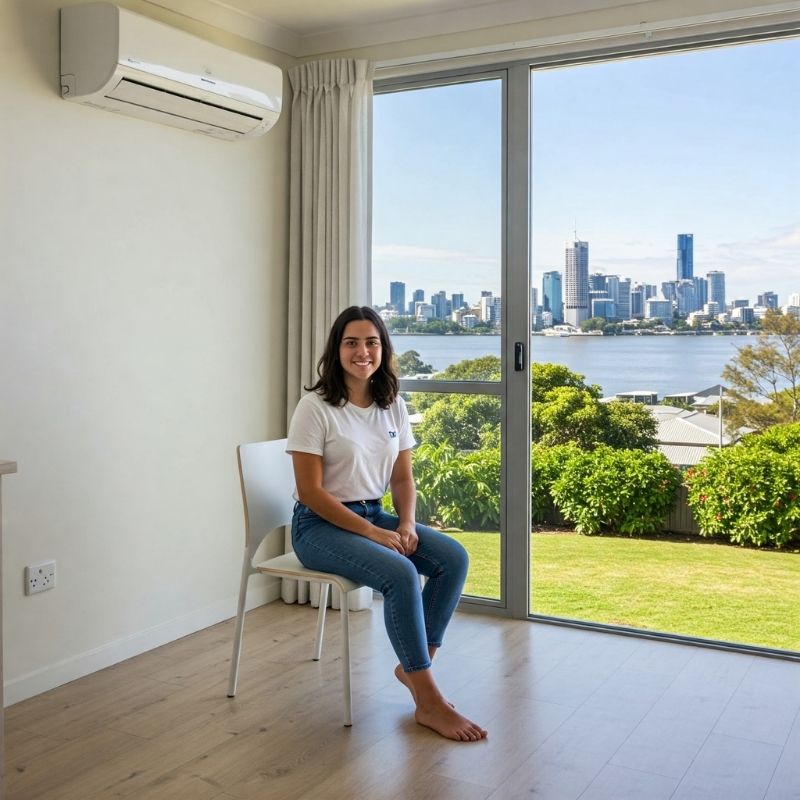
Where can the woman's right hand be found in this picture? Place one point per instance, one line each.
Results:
(389, 539)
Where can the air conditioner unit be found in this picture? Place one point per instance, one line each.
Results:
(120, 61)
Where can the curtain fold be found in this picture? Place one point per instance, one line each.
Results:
(329, 208)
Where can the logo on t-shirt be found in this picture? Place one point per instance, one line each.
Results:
(392, 434)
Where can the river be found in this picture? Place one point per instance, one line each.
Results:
(663, 364)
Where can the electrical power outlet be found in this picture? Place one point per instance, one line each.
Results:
(40, 577)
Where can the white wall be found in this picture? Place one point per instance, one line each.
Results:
(142, 309)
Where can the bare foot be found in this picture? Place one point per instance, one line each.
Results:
(447, 722)
(400, 674)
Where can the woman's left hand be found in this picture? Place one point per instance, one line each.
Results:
(408, 537)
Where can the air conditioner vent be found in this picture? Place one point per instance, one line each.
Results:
(177, 105)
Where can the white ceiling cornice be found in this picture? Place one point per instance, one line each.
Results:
(233, 20)
(507, 23)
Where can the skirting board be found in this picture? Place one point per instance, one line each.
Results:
(70, 669)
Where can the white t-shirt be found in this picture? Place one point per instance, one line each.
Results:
(358, 445)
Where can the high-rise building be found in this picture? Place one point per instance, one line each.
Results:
(659, 309)
(551, 296)
(624, 299)
(397, 296)
(424, 311)
(700, 291)
(612, 287)
(597, 282)
(743, 314)
(417, 297)
(685, 265)
(637, 302)
(576, 283)
(768, 300)
(457, 300)
(441, 305)
(716, 287)
(604, 307)
(686, 297)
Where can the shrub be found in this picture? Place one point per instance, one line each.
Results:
(629, 491)
(777, 439)
(749, 493)
(456, 489)
(547, 463)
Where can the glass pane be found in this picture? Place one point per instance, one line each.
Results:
(436, 234)
(457, 471)
(665, 243)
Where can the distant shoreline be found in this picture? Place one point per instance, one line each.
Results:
(591, 333)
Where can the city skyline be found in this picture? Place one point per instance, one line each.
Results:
(628, 178)
(684, 253)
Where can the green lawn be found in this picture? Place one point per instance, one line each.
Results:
(692, 588)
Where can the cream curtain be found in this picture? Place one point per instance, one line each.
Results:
(329, 245)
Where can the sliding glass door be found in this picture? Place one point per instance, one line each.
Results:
(441, 280)
(665, 222)
(570, 258)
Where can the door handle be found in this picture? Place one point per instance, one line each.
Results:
(519, 356)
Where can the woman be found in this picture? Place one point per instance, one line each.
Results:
(350, 438)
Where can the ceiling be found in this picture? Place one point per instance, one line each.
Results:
(302, 28)
(309, 27)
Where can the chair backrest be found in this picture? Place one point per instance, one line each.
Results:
(267, 477)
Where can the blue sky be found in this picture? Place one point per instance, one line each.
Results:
(630, 152)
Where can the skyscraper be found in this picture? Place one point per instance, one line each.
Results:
(624, 299)
(701, 291)
(685, 265)
(597, 282)
(576, 283)
(768, 300)
(417, 297)
(442, 305)
(551, 295)
(637, 302)
(686, 296)
(716, 288)
(397, 296)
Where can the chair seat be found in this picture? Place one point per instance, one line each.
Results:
(288, 565)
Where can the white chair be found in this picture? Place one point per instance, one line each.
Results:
(267, 481)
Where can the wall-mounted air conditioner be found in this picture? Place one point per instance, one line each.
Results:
(120, 61)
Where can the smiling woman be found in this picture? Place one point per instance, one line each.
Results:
(350, 439)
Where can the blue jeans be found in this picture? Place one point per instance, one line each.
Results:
(414, 620)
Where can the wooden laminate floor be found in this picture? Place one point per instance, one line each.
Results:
(570, 713)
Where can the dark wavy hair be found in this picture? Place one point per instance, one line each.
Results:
(331, 385)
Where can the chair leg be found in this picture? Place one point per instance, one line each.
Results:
(345, 612)
(239, 629)
(323, 605)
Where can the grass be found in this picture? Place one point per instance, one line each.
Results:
(693, 588)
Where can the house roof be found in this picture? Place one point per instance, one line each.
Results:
(682, 455)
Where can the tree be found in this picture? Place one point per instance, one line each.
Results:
(485, 368)
(545, 377)
(463, 421)
(764, 378)
(593, 324)
(573, 414)
(630, 426)
(567, 414)
(409, 363)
